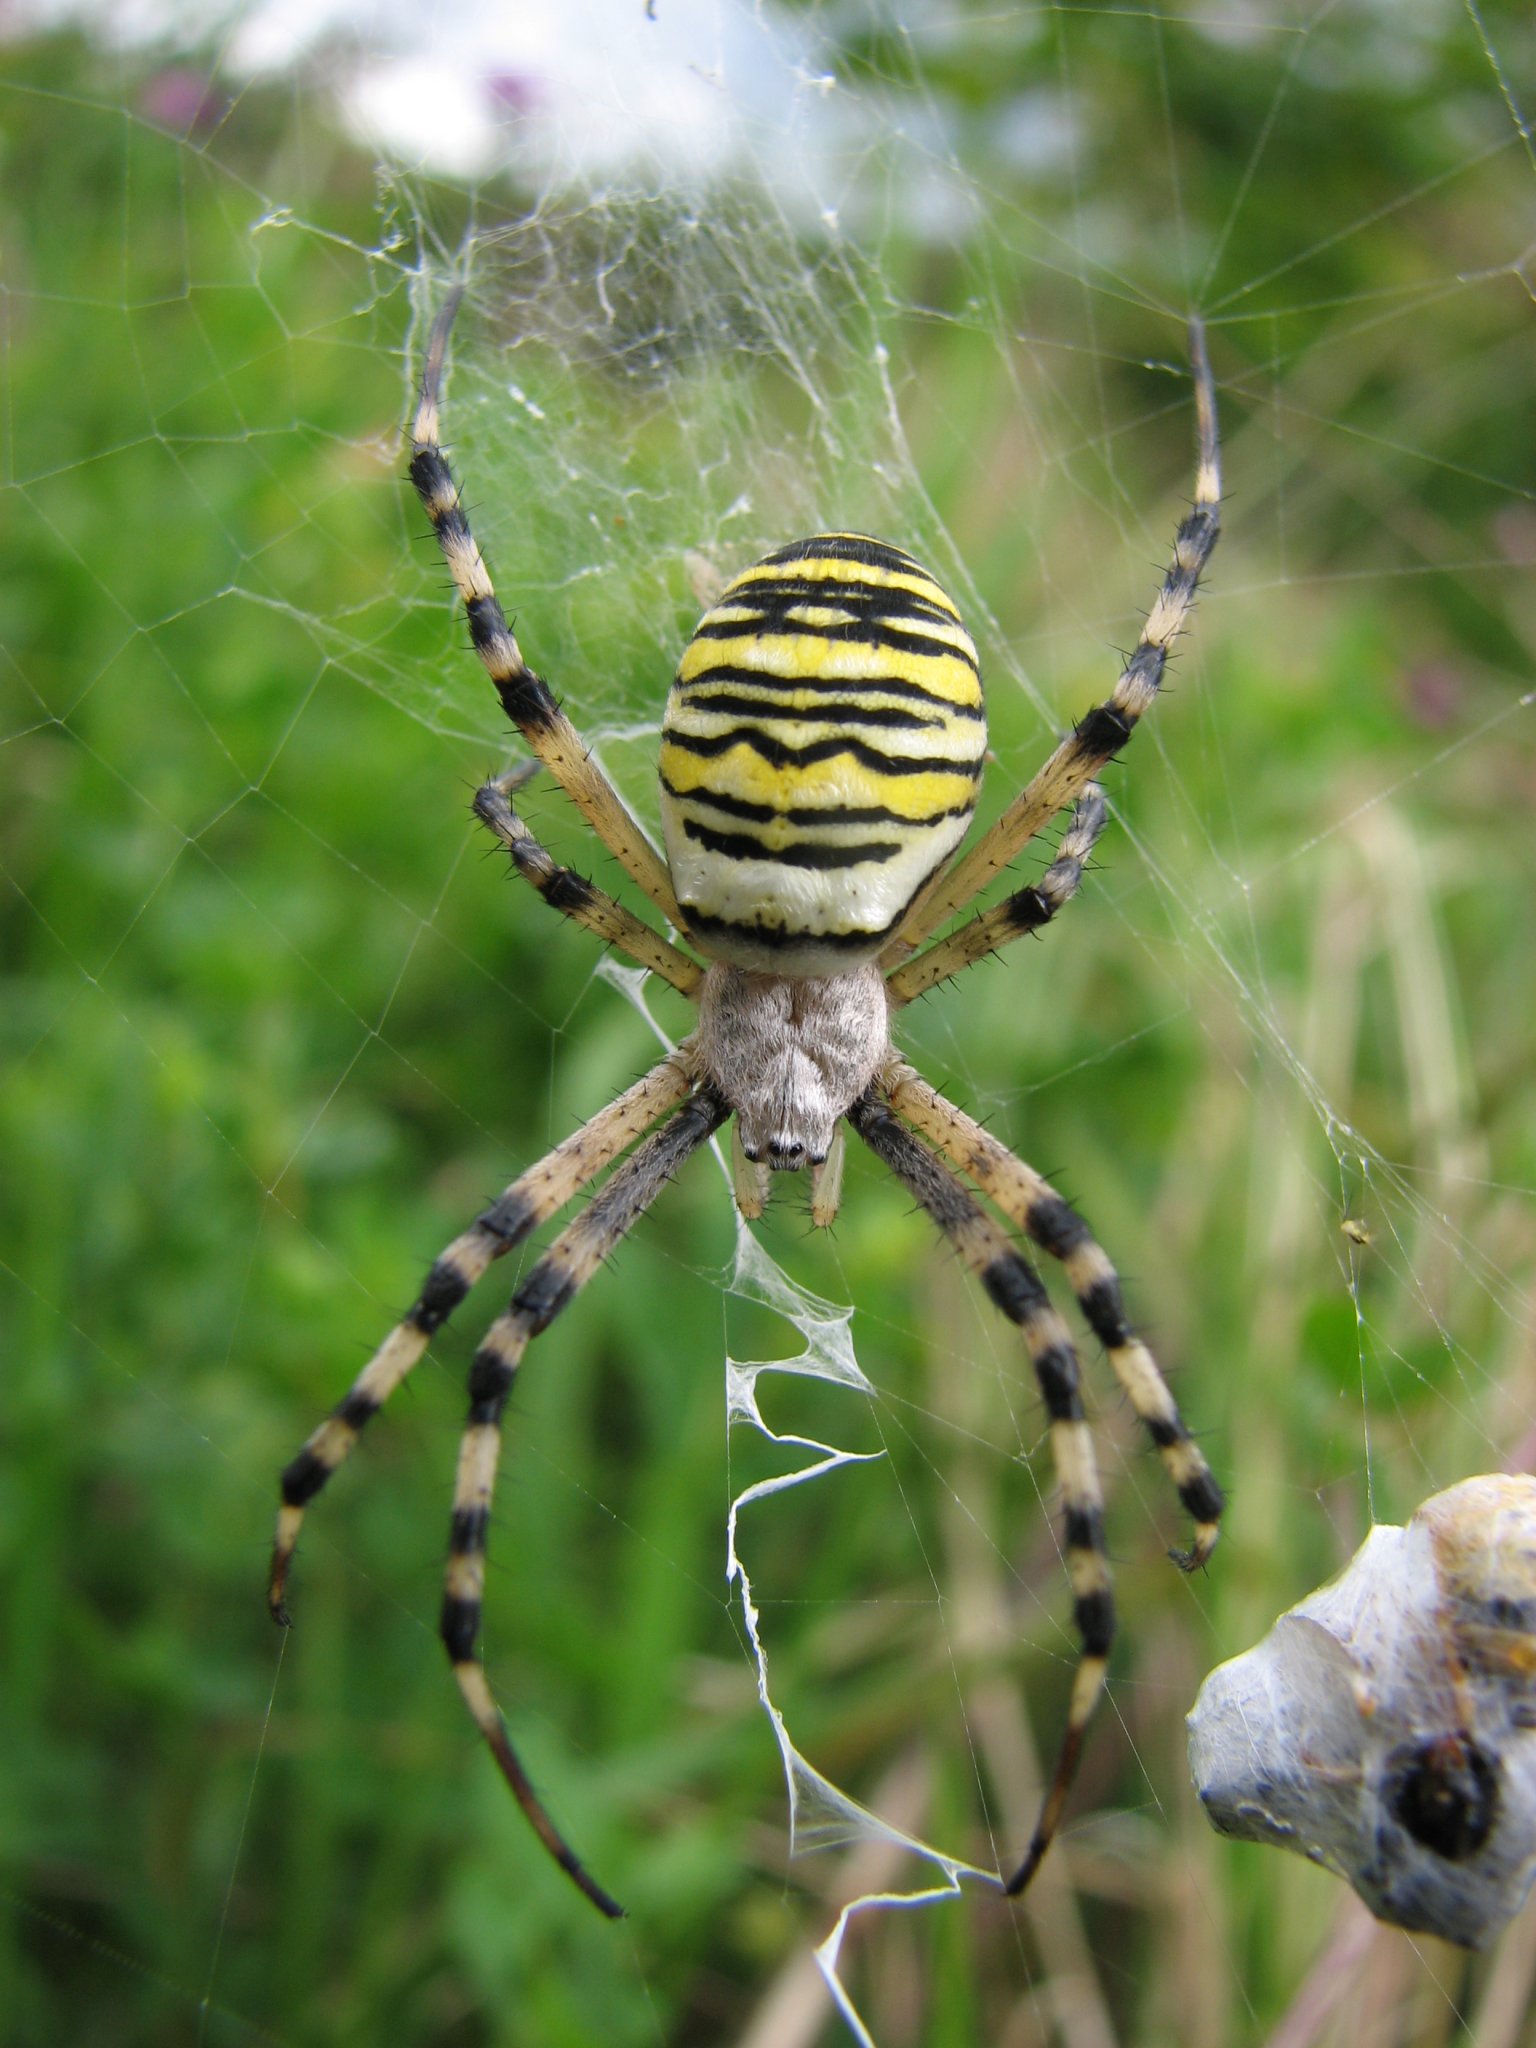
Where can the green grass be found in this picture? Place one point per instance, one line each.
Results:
(273, 1029)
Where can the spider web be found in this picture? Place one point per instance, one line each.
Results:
(733, 274)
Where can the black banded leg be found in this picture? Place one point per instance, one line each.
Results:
(558, 1276)
(1103, 732)
(525, 697)
(1029, 1201)
(575, 897)
(521, 1208)
(1016, 1288)
(1027, 910)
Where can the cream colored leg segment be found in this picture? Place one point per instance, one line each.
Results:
(1100, 735)
(525, 697)
(573, 895)
(548, 1287)
(1027, 910)
(1015, 1287)
(1029, 1201)
(528, 1202)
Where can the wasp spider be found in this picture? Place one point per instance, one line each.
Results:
(820, 755)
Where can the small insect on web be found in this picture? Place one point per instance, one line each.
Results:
(822, 747)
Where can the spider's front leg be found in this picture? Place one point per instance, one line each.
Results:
(1016, 1288)
(1029, 1202)
(529, 1201)
(547, 1288)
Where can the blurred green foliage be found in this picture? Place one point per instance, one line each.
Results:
(273, 1029)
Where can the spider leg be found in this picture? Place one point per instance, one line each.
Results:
(1100, 735)
(575, 897)
(520, 1209)
(1016, 1288)
(553, 1282)
(525, 697)
(1025, 911)
(1033, 1205)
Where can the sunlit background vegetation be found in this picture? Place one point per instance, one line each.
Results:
(274, 1027)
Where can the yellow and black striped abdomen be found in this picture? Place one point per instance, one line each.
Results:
(820, 754)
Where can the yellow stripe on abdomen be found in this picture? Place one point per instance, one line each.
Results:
(820, 754)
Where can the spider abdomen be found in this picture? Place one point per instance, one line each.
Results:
(820, 755)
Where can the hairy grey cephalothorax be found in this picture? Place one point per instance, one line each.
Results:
(792, 1056)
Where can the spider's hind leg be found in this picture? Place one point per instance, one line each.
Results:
(526, 697)
(1028, 910)
(1103, 732)
(572, 894)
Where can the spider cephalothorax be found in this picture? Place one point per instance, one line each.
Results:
(821, 750)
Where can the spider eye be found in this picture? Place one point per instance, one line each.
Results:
(1445, 1792)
